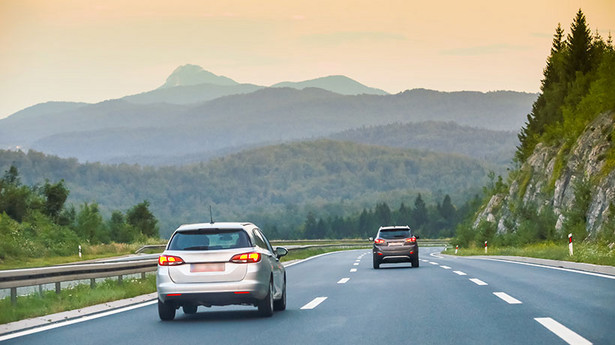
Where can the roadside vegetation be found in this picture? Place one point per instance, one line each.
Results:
(72, 298)
(36, 224)
(591, 253)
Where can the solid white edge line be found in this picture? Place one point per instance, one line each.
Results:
(507, 298)
(550, 267)
(74, 321)
(478, 281)
(562, 331)
(343, 281)
(460, 273)
(314, 303)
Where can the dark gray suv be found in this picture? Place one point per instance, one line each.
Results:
(395, 244)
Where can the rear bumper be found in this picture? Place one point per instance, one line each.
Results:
(395, 254)
(251, 289)
(211, 298)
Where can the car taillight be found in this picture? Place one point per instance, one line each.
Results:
(169, 260)
(246, 258)
(411, 240)
(379, 241)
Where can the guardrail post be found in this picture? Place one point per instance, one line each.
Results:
(92, 283)
(14, 296)
(58, 288)
(120, 279)
(142, 275)
(40, 290)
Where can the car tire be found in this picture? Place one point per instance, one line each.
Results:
(166, 311)
(265, 307)
(376, 263)
(190, 308)
(415, 262)
(280, 304)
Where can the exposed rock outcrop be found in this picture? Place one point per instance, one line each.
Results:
(550, 174)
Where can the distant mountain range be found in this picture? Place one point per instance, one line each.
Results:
(199, 115)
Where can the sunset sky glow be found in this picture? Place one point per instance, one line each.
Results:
(90, 51)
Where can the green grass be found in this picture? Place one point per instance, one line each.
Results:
(592, 253)
(74, 298)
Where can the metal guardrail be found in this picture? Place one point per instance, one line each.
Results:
(13, 279)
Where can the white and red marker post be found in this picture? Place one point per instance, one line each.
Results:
(570, 244)
(456, 249)
(485, 247)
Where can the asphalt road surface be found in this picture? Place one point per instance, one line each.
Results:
(339, 298)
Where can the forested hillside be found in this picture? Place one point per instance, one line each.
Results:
(564, 181)
(483, 144)
(277, 185)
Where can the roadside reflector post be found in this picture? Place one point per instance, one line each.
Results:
(485, 247)
(79, 251)
(13, 296)
(570, 244)
(456, 249)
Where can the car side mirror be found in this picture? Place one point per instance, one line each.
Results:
(280, 252)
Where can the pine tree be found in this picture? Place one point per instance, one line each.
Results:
(580, 47)
(419, 213)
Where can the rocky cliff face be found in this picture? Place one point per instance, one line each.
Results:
(549, 177)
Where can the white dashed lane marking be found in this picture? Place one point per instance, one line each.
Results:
(314, 303)
(562, 331)
(478, 281)
(460, 273)
(507, 298)
(446, 267)
(353, 270)
(343, 280)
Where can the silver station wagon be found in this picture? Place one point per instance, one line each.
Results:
(220, 264)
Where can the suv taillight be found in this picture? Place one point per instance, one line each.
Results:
(246, 258)
(169, 260)
(379, 241)
(411, 240)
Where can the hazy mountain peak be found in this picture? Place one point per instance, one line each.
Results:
(194, 75)
(334, 83)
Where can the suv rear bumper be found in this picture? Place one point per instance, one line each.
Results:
(396, 254)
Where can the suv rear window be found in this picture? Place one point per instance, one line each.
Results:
(394, 233)
(209, 239)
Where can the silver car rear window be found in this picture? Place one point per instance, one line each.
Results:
(392, 234)
(209, 239)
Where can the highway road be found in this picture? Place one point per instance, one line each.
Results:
(339, 298)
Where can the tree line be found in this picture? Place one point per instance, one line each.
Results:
(577, 86)
(36, 221)
(428, 221)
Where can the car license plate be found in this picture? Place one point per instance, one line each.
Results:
(392, 244)
(215, 267)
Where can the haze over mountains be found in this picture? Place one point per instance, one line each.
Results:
(196, 115)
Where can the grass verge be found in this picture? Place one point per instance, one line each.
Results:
(591, 253)
(73, 298)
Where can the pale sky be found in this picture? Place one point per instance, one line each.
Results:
(94, 50)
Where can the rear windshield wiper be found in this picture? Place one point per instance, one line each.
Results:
(197, 248)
